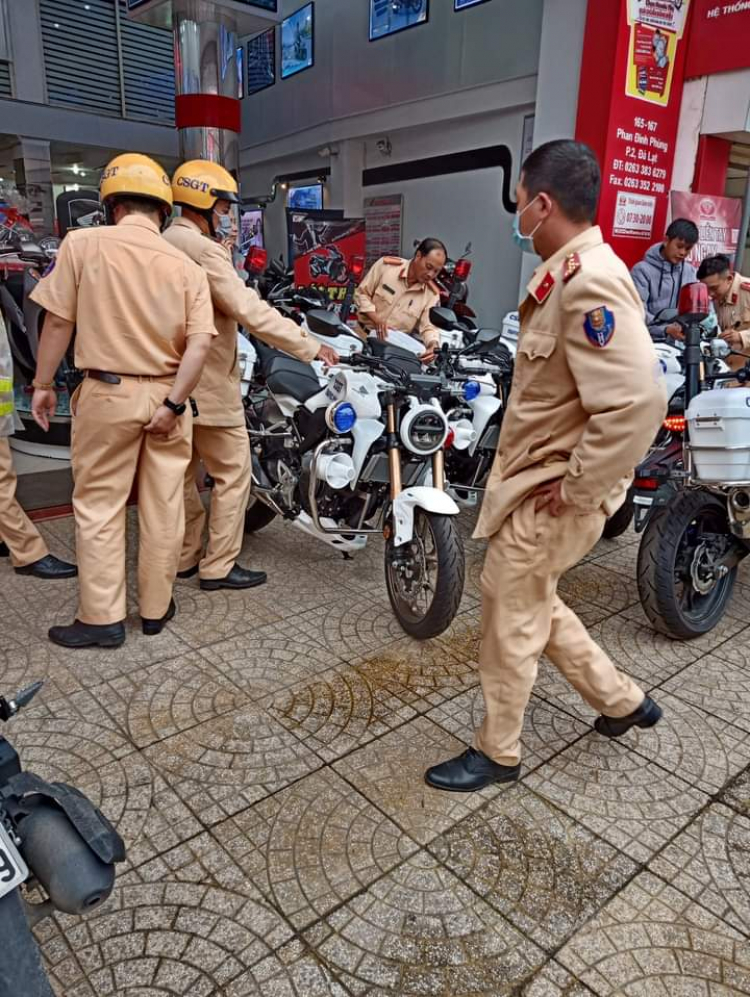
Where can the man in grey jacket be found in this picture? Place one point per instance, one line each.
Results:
(663, 272)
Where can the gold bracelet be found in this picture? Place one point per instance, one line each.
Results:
(43, 385)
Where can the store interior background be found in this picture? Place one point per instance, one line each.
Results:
(370, 118)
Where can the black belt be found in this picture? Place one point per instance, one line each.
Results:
(108, 378)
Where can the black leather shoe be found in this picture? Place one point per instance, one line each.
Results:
(153, 627)
(188, 572)
(49, 567)
(647, 714)
(88, 635)
(4, 552)
(238, 578)
(470, 771)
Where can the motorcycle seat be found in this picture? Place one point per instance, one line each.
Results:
(288, 376)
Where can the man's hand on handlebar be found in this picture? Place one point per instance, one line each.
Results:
(429, 354)
(328, 355)
(676, 331)
(733, 338)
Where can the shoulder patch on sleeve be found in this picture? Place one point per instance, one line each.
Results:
(599, 326)
(745, 285)
(571, 267)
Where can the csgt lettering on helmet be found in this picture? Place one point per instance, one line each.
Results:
(200, 185)
(110, 172)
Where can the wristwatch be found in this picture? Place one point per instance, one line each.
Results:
(173, 407)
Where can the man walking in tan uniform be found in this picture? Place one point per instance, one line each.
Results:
(586, 401)
(206, 193)
(398, 294)
(19, 538)
(144, 325)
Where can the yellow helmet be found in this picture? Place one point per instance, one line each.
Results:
(132, 173)
(199, 184)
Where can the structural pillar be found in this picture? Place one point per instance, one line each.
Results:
(207, 107)
(33, 169)
(711, 165)
(347, 166)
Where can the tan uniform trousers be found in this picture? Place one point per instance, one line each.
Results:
(523, 617)
(16, 529)
(225, 452)
(109, 448)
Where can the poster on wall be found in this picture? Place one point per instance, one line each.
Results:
(261, 62)
(718, 220)
(251, 230)
(297, 40)
(383, 222)
(656, 29)
(462, 4)
(305, 197)
(387, 17)
(323, 248)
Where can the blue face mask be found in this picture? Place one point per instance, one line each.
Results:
(224, 227)
(524, 242)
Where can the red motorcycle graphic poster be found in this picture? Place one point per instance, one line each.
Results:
(323, 249)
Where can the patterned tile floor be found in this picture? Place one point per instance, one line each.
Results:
(263, 759)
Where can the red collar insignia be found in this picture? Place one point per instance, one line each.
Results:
(542, 290)
(571, 267)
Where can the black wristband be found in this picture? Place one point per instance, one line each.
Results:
(172, 406)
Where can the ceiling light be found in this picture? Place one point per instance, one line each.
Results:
(76, 168)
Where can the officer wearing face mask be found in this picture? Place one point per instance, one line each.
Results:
(586, 401)
(207, 194)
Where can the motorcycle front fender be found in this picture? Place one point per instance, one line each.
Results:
(422, 497)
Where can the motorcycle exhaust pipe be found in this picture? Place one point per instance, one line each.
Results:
(74, 878)
(739, 512)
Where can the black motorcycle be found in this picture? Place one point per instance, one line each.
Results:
(329, 263)
(53, 841)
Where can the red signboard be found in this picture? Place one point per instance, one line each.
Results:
(641, 50)
(719, 38)
(718, 220)
(325, 250)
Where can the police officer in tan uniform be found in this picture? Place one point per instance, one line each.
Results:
(206, 193)
(586, 401)
(730, 293)
(144, 325)
(398, 294)
(19, 538)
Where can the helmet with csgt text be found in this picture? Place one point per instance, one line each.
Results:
(134, 175)
(199, 184)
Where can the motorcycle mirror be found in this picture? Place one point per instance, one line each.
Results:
(485, 340)
(666, 315)
(719, 349)
(443, 318)
(327, 325)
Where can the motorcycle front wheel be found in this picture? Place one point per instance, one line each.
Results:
(425, 578)
(681, 595)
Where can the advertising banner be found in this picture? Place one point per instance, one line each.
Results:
(323, 250)
(718, 220)
(636, 131)
(719, 37)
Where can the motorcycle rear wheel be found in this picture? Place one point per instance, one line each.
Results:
(426, 581)
(258, 516)
(669, 554)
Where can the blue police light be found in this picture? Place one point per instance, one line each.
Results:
(471, 390)
(341, 417)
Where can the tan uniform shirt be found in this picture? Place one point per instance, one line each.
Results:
(134, 298)
(406, 307)
(735, 309)
(588, 393)
(218, 392)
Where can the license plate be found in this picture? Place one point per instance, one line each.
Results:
(13, 869)
(641, 509)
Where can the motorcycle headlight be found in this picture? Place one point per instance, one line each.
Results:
(341, 418)
(424, 430)
(471, 390)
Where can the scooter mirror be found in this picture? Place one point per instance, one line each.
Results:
(720, 349)
(443, 318)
